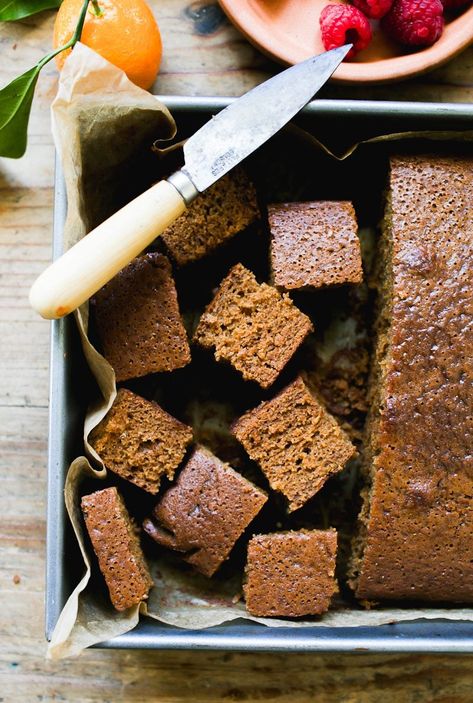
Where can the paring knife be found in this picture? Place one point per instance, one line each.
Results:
(212, 151)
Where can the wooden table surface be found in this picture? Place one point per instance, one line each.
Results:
(204, 55)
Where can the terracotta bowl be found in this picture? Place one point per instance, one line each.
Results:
(288, 31)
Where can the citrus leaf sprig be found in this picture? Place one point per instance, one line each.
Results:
(11, 10)
(17, 96)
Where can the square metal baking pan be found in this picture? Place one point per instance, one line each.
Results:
(68, 397)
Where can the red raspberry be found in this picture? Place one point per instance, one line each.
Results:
(414, 22)
(345, 24)
(374, 8)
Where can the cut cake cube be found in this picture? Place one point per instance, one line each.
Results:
(138, 320)
(117, 547)
(291, 574)
(252, 326)
(139, 441)
(296, 442)
(217, 215)
(314, 244)
(204, 513)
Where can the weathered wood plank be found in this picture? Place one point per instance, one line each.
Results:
(147, 677)
(25, 248)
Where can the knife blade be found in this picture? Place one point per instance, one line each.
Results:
(251, 120)
(211, 152)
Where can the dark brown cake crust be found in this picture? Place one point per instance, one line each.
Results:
(295, 441)
(139, 441)
(252, 326)
(314, 244)
(417, 523)
(226, 208)
(138, 320)
(117, 547)
(205, 512)
(291, 574)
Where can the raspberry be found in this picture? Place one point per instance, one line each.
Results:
(345, 24)
(373, 8)
(414, 22)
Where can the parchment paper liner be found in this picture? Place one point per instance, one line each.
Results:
(101, 118)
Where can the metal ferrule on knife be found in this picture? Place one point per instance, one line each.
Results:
(184, 186)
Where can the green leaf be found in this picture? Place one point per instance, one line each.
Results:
(17, 9)
(15, 106)
(17, 96)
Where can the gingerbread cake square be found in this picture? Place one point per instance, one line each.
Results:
(252, 326)
(217, 215)
(291, 574)
(314, 244)
(204, 513)
(138, 320)
(117, 547)
(296, 442)
(139, 441)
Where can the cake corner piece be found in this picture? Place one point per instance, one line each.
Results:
(291, 574)
(117, 548)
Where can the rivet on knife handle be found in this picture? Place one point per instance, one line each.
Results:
(96, 258)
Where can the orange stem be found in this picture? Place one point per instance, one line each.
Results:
(96, 8)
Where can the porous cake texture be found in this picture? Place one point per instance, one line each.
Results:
(139, 441)
(138, 320)
(204, 513)
(218, 214)
(296, 442)
(314, 244)
(416, 527)
(338, 362)
(291, 574)
(252, 326)
(117, 547)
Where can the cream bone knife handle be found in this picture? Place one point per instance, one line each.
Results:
(95, 259)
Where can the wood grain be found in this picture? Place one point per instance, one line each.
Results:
(204, 55)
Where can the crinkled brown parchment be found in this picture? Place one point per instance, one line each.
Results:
(101, 122)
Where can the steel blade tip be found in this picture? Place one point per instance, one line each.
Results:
(326, 63)
(341, 50)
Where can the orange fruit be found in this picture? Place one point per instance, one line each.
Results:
(125, 33)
